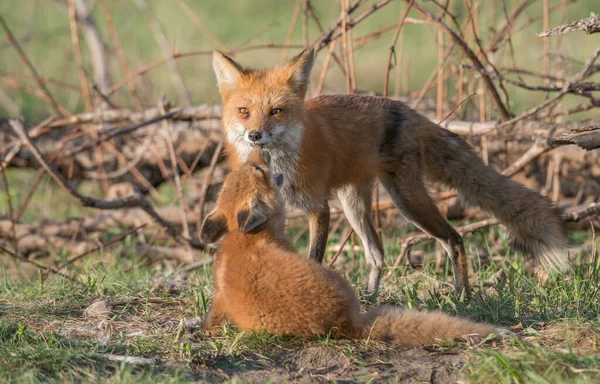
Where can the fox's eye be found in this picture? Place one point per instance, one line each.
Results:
(243, 111)
(276, 111)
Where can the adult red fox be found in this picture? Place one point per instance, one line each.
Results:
(339, 144)
(263, 285)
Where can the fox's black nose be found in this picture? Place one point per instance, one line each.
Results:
(254, 135)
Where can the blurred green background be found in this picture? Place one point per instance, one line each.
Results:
(42, 28)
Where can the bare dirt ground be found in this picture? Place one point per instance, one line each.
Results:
(322, 363)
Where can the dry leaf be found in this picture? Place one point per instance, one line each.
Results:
(100, 308)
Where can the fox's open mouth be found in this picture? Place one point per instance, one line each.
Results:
(278, 178)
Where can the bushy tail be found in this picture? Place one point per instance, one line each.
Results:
(408, 328)
(534, 225)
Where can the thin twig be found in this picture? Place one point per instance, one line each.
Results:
(393, 48)
(456, 107)
(201, 26)
(594, 274)
(85, 90)
(350, 232)
(178, 186)
(102, 246)
(207, 183)
(335, 31)
(320, 27)
(40, 266)
(290, 33)
(502, 110)
(325, 68)
(161, 39)
(420, 237)
(104, 97)
(11, 38)
(121, 54)
(305, 23)
(344, 18)
(11, 214)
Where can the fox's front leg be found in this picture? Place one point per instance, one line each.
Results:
(214, 318)
(319, 229)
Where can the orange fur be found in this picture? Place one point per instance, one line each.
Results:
(339, 144)
(263, 285)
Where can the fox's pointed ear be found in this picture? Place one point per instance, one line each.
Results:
(213, 227)
(227, 70)
(252, 218)
(300, 67)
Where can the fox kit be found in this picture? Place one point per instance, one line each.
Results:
(263, 285)
(339, 144)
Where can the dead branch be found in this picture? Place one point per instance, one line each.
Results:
(166, 48)
(120, 54)
(195, 137)
(96, 48)
(590, 25)
(38, 265)
(201, 112)
(85, 90)
(586, 138)
(393, 48)
(11, 38)
(334, 258)
(412, 240)
(102, 246)
(502, 110)
(129, 202)
(582, 213)
(208, 181)
(335, 31)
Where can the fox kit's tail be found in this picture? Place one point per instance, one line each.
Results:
(408, 328)
(534, 225)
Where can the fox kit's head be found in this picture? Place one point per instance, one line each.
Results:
(249, 200)
(263, 108)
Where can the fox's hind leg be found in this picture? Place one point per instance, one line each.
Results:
(356, 202)
(318, 225)
(410, 196)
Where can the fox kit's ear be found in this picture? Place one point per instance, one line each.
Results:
(227, 70)
(300, 67)
(214, 227)
(250, 219)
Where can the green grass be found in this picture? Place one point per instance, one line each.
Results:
(46, 337)
(534, 364)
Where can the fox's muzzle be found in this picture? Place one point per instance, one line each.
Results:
(258, 138)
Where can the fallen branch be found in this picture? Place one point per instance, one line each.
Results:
(582, 213)
(587, 139)
(38, 265)
(420, 237)
(129, 359)
(129, 202)
(102, 246)
(590, 25)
